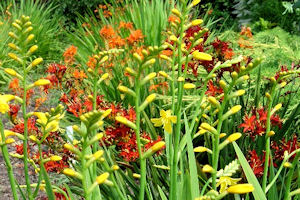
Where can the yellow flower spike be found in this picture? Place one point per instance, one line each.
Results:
(55, 158)
(195, 2)
(27, 30)
(189, 86)
(166, 119)
(115, 167)
(42, 119)
(222, 135)
(276, 108)
(148, 78)
(233, 137)
(17, 26)
(72, 173)
(29, 38)
(164, 74)
(173, 38)
(75, 142)
(34, 138)
(41, 82)
(126, 122)
(237, 93)
(36, 62)
(71, 148)
(201, 56)
(282, 84)
(32, 49)
(103, 77)
(149, 63)
(158, 146)
(9, 141)
(52, 126)
(137, 57)
(268, 95)
(287, 165)
(13, 46)
(10, 71)
(231, 111)
(126, 90)
(270, 134)
(106, 113)
(197, 22)
(202, 149)
(15, 57)
(137, 176)
(4, 99)
(240, 188)
(208, 127)
(214, 101)
(180, 79)
(13, 35)
(98, 154)
(176, 12)
(130, 71)
(234, 75)
(226, 181)
(207, 169)
(102, 178)
(164, 57)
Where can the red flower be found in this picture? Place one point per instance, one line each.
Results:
(289, 146)
(213, 90)
(256, 163)
(248, 124)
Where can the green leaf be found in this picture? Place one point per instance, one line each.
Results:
(70, 194)
(161, 193)
(192, 163)
(258, 192)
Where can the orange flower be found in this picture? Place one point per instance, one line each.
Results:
(228, 54)
(135, 36)
(246, 31)
(116, 42)
(107, 32)
(79, 74)
(167, 52)
(92, 62)
(14, 85)
(39, 101)
(125, 25)
(173, 19)
(69, 54)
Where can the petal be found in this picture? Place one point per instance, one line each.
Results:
(173, 119)
(157, 122)
(42, 119)
(7, 97)
(163, 113)
(168, 127)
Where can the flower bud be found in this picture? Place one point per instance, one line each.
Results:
(189, 86)
(29, 38)
(15, 57)
(13, 35)
(13, 46)
(115, 167)
(137, 57)
(34, 138)
(271, 133)
(201, 56)
(72, 173)
(36, 62)
(209, 128)
(126, 90)
(32, 49)
(202, 149)
(195, 2)
(197, 22)
(126, 122)
(148, 78)
(173, 38)
(55, 158)
(103, 77)
(149, 63)
(137, 176)
(214, 101)
(232, 111)
(156, 147)
(41, 82)
(130, 71)
(17, 26)
(287, 165)
(176, 12)
(207, 169)
(10, 71)
(102, 178)
(233, 137)
(9, 141)
(167, 58)
(240, 188)
(28, 30)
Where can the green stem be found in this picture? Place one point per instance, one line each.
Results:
(267, 146)
(138, 137)
(8, 165)
(25, 141)
(85, 172)
(290, 177)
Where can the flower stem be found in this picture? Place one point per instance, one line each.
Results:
(290, 177)
(8, 164)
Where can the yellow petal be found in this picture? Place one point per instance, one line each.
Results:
(168, 127)
(157, 122)
(173, 119)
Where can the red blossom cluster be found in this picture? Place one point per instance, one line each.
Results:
(255, 124)
(283, 145)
